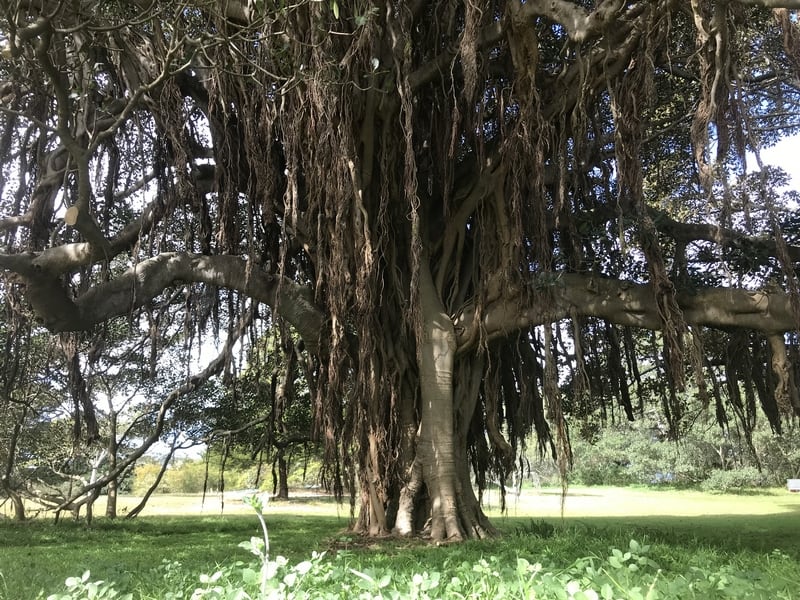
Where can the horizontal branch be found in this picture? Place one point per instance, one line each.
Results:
(579, 23)
(723, 236)
(68, 257)
(791, 4)
(625, 303)
(692, 232)
(143, 282)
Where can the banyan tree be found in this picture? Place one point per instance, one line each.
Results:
(469, 211)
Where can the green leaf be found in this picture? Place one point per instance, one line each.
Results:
(635, 594)
(573, 587)
(522, 566)
(606, 592)
(335, 9)
(303, 567)
(249, 576)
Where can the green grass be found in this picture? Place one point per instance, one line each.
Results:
(760, 522)
(37, 555)
(689, 532)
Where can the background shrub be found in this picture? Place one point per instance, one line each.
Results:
(735, 479)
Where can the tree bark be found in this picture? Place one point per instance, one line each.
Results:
(143, 502)
(16, 502)
(469, 373)
(5, 479)
(624, 303)
(406, 521)
(112, 487)
(436, 490)
(282, 492)
(441, 448)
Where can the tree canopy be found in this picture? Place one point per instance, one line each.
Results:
(469, 211)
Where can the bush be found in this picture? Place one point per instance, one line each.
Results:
(622, 455)
(779, 454)
(590, 472)
(735, 479)
(187, 477)
(641, 453)
(144, 475)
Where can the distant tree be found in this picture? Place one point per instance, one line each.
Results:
(31, 396)
(267, 411)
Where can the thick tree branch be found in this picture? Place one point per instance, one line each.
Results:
(67, 257)
(723, 236)
(625, 303)
(146, 280)
(791, 4)
(434, 68)
(580, 24)
(692, 232)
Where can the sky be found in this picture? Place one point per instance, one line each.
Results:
(784, 154)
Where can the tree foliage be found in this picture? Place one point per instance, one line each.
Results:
(267, 412)
(452, 203)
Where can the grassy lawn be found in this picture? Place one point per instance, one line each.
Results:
(759, 521)
(186, 529)
(688, 532)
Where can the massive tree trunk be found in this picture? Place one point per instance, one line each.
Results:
(427, 488)
(436, 446)
(441, 442)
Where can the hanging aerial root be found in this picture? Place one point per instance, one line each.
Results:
(786, 393)
(791, 38)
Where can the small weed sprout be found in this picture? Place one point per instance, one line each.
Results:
(84, 588)
(260, 546)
